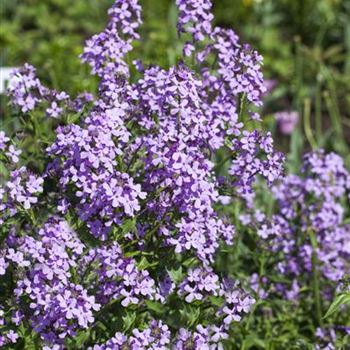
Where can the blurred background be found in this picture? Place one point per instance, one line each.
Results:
(305, 44)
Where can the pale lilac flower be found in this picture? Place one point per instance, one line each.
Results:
(287, 121)
(54, 111)
(13, 336)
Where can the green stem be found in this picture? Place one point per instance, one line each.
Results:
(318, 111)
(315, 279)
(242, 107)
(34, 124)
(262, 262)
(336, 121)
(333, 107)
(307, 124)
(299, 73)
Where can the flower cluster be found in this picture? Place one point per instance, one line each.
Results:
(195, 17)
(315, 200)
(326, 337)
(198, 284)
(22, 188)
(202, 283)
(105, 52)
(309, 222)
(25, 89)
(8, 150)
(155, 336)
(247, 164)
(88, 162)
(237, 303)
(44, 281)
(117, 277)
(135, 184)
(170, 152)
(10, 336)
(59, 301)
(202, 337)
(27, 93)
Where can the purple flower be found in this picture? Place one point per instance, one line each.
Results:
(25, 88)
(13, 154)
(3, 265)
(195, 17)
(17, 317)
(287, 121)
(54, 111)
(3, 140)
(310, 203)
(13, 336)
(136, 177)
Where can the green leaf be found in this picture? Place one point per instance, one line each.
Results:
(145, 264)
(190, 262)
(176, 275)
(81, 338)
(254, 340)
(217, 301)
(340, 300)
(190, 314)
(129, 226)
(155, 306)
(128, 320)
